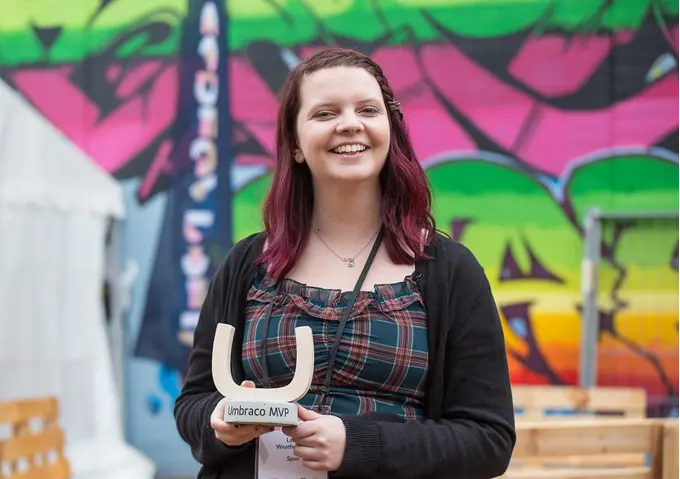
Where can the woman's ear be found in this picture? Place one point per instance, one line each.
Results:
(299, 157)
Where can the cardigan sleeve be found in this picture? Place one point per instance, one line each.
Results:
(475, 437)
(199, 396)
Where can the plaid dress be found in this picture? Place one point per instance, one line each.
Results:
(382, 360)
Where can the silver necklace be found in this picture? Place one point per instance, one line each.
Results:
(350, 260)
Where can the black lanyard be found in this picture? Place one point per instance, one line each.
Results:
(338, 335)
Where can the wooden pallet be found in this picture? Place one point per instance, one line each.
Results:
(671, 445)
(594, 449)
(566, 402)
(34, 448)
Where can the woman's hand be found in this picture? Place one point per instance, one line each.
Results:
(319, 440)
(235, 434)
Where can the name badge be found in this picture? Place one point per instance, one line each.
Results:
(275, 459)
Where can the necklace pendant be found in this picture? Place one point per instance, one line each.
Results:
(350, 262)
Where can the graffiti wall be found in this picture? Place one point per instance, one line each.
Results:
(524, 114)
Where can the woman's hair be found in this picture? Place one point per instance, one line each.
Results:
(287, 211)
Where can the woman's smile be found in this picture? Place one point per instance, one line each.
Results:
(350, 150)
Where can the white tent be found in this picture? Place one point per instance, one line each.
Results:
(55, 205)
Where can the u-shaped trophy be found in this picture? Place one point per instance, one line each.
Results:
(275, 406)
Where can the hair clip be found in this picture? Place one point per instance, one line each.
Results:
(396, 106)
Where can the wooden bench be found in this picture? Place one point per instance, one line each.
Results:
(34, 448)
(565, 402)
(671, 444)
(559, 403)
(594, 449)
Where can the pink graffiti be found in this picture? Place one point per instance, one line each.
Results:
(112, 141)
(253, 104)
(538, 134)
(533, 131)
(557, 65)
(160, 164)
(556, 137)
(426, 116)
(134, 79)
(249, 94)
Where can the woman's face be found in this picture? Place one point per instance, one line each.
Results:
(343, 130)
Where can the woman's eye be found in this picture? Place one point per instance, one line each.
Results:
(323, 114)
(370, 110)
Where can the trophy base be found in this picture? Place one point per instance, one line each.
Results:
(259, 412)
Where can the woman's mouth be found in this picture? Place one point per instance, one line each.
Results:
(349, 149)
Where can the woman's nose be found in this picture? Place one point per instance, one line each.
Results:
(349, 123)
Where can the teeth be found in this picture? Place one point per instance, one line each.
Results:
(349, 148)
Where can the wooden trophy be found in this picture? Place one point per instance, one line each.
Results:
(274, 406)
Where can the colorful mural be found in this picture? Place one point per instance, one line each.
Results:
(101, 71)
(524, 114)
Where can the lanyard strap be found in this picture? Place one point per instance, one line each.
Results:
(341, 325)
(345, 315)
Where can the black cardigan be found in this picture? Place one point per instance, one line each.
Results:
(469, 430)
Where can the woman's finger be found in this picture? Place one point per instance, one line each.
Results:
(241, 432)
(308, 453)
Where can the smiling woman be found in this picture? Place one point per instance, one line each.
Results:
(346, 138)
(410, 376)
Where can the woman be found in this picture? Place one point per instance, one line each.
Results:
(419, 385)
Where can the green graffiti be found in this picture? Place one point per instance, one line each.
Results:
(79, 29)
(633, 184)
(505, 210)
(247, 207)
(626, 183)
(84, 29)
(295, 22)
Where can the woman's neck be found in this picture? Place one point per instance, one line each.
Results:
(343, 212)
